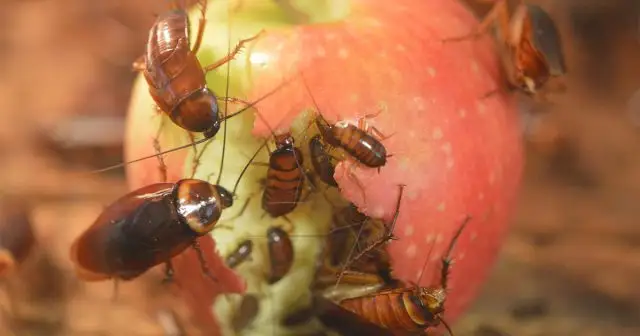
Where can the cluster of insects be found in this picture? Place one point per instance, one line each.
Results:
(149, 226)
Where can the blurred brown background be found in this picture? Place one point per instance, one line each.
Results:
(570, 267)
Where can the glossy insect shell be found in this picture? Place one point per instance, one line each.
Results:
(402, 309)
(358, 143)
(284, 179)
(546, 39)
(280, 253)
(175, 76)
(241, 254)
(538, 54)
(147, 227)
(321, 161)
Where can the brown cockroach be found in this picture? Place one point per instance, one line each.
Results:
(531, 48)
(377, 258)
(408, 309)
(148, 227)
(175, 76)
(321, 161)
(285, 178)
(242, 253)
(350, 233)
(158, 153)
(355, 140)
(345, 321)
(246, 312)
(281, 254)
(17, 239)
(347, 222)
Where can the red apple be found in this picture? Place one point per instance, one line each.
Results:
(457, 153)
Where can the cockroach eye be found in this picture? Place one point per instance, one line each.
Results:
(226, 197)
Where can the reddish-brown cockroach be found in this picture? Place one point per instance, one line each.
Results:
(321, 161)
(285, 178)
(531, 48)
(16, 235)
(158, 153)
(242, 253)
(148, 227)
(345, 321)
(281, 254)
(408, 309)
(354, 140)
(381, 261)
(347, 222)
(246, 312)
(175, 76)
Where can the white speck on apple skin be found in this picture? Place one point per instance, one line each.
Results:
(411, 251)
(437, 133)
(408, 231)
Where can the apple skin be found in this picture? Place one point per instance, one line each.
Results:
(457, 153)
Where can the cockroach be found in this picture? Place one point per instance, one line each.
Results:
(285, 178)
(281, 254)
(532, 51)
(242, 253)
(347, 221)
(345, 321)
(147, 227)
(378, 259)
(246, 312)
(175, 76)
(355, 140)
(321, 161)
(17, 239)
(408, 309)
(248, 106)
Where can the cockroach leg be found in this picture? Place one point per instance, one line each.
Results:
(353, 249)
(116, 290)
(233, 53)
(168, 273)
(138, 64)
(161, 164)
(196, 158)
(201, 25)
(354, 178)
(447, 260)
(203, 262)
(386, 236)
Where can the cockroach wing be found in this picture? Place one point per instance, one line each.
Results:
(345, 321)
(138, 231)
(546, 38)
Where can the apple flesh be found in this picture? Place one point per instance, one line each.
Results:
(457, 153)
